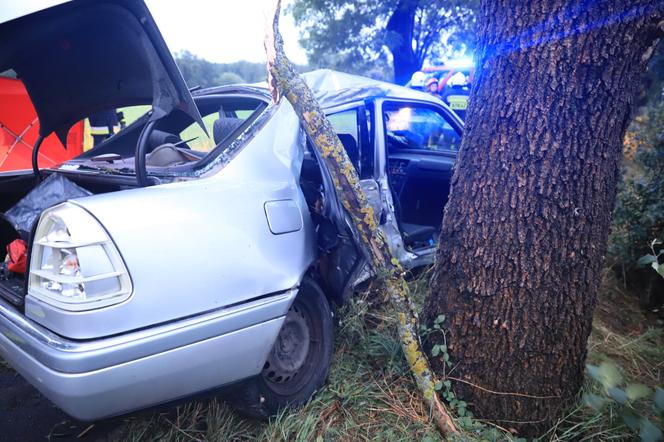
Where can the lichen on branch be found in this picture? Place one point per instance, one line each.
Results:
(285, 81)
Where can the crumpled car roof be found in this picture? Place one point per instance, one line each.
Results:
(333, 88)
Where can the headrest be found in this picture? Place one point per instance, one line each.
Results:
(223, 127)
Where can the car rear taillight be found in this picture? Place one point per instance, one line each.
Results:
(74, 265)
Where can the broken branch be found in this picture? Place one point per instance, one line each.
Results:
(283, 79)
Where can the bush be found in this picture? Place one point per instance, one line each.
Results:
(639, 213)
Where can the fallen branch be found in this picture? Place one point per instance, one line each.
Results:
(283, 79)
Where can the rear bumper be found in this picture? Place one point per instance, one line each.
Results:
(102, 378)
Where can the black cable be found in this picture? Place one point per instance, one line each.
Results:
(35, 157)
(139, 156)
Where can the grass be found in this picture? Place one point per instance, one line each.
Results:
(621, 334)
(370, 394)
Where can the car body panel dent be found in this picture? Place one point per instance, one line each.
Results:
(192, 246)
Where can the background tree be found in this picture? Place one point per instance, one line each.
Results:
(229, 78)
(195, 70)
(200, 72)
(360, 37)
(526, 225)
(638, 217)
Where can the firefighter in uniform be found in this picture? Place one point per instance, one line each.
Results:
(103, 125)
(456, 93)
(431, 86)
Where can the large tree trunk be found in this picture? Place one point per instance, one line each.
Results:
(526, 225)
(400, 28)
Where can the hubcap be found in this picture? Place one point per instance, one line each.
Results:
(289, 352)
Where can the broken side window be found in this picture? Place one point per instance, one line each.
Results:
(351, 127)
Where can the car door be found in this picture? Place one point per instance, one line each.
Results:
(430, 133)
(360, 131)
(352, 123)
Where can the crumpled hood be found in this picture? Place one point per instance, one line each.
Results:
(85, 56)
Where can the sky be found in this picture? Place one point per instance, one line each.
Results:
(221, 31)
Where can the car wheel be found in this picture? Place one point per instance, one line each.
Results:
(298, 364)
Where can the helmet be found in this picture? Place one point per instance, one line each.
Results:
(458, 79)
(417, 80)
(430, 81)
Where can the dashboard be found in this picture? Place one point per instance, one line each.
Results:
(402, 167)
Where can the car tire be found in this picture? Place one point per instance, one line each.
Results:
(299, 361)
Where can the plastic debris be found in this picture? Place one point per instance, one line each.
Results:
(17, 254)
(53, 190)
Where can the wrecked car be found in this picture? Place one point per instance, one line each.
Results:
(203, 245)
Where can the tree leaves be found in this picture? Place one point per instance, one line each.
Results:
(646, 260)
(606, 374)
(659, 400)
(351, 36)
(637, 391)
(649, 432)
(593, 401)
(618, 395)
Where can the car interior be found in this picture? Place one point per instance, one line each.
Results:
(421, 150)
(176, 140)
(421, 147)
(175, 144)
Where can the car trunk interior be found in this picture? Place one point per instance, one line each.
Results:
(13, 189)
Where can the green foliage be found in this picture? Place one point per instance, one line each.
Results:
(200, 72)
(229, 78)
(652, 258)
(196, 71)
(350, 35)
(439, 351)
(625, 398)
(639, 213)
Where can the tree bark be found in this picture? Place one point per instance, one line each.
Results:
(526, 225)
(400, 28)
(283, 79)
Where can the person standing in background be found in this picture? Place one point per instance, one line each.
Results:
(103, 125)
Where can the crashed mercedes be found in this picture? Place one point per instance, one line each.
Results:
(203, 245)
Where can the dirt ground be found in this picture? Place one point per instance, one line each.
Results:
(26, 415)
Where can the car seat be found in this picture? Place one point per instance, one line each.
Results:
(224, 127)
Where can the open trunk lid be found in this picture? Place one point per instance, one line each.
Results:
(85, 56)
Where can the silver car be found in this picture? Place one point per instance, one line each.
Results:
(202, 245)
